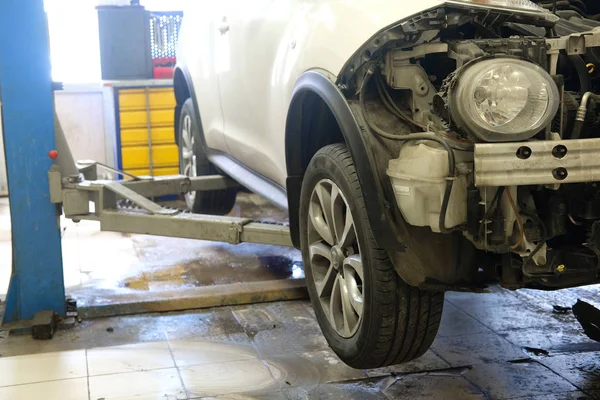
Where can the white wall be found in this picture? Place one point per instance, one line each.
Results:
(81, 114)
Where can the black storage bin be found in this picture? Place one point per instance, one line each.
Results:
(124, 42)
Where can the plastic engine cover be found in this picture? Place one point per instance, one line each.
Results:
(418, 177)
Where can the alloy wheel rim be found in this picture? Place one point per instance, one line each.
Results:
(188, 156)
(335, 258)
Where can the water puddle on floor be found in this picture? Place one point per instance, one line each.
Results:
(139, 264)
(217, 271)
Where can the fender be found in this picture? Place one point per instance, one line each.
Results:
(183, 88)
(315, 83)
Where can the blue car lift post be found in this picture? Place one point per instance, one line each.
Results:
(36, 285)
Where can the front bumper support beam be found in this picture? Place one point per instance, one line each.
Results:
(543, 162)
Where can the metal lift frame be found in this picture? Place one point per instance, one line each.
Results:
(151, 218)
(84, 197)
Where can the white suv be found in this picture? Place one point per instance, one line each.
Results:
(413, 144)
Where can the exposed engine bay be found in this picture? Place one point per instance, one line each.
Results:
(491, 121)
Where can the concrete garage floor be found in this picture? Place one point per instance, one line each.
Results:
(503, 345)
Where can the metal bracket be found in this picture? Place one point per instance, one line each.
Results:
(577, 43)
(55, 181)
(235, 231)
(414, 78)
(137, 199)
(75, 202)
(185, 186)
(416, 52)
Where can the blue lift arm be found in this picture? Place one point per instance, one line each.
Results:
(28, 124)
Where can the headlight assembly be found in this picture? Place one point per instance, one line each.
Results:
(502, 99)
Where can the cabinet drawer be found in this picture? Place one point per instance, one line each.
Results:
(166, 155)
(135, 99)
(139, 137)
(138, 119)
(157, 171)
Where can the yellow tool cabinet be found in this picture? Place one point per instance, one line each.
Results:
(144, 116)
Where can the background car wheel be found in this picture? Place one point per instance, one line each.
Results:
(193, 162)
(369, 316)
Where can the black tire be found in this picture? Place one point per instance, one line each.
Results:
(216, 202)
(399, 322)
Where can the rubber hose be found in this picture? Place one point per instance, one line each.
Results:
(577, 127)
(585, 81)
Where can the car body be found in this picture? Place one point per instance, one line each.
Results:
(412, 143)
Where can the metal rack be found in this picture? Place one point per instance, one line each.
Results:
(164, 33)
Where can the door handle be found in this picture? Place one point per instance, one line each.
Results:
(224, 27)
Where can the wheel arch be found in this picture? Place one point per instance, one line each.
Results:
(183, 90)
(319, 115)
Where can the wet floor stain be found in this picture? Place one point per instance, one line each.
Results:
(173, 276)
(195, 263)
(199, 273)
(155, 265)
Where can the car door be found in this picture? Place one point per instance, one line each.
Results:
(200, 52)
(252, 31)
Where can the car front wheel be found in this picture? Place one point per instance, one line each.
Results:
(370, 317)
